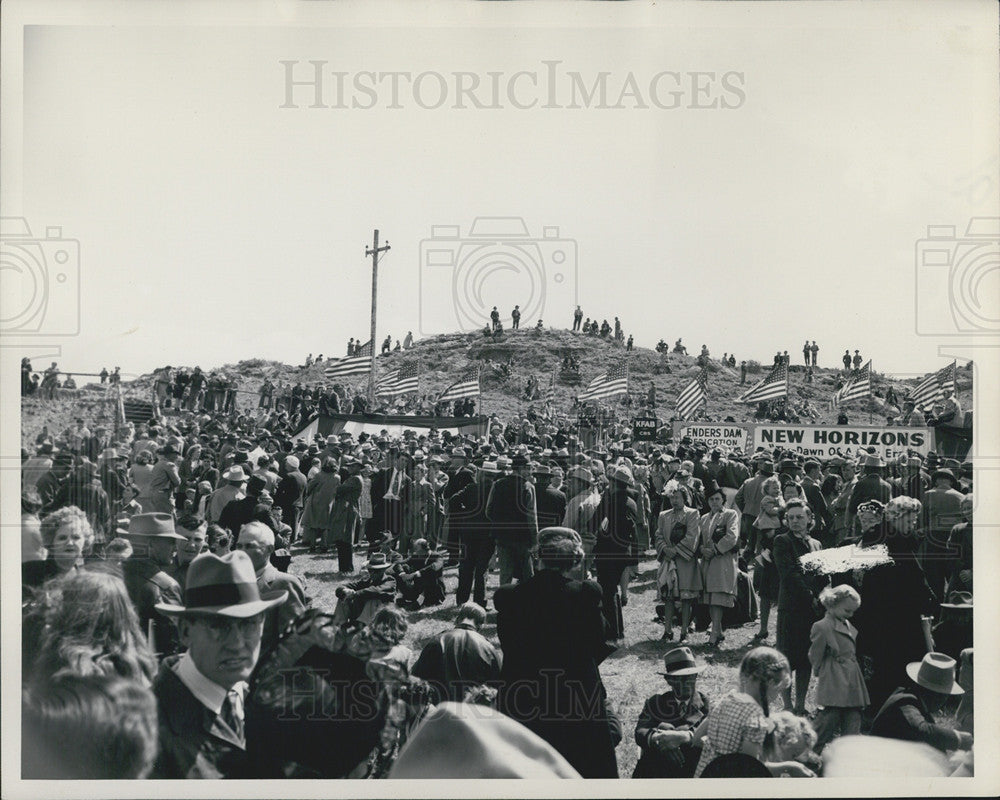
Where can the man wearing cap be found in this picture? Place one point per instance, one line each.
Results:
(289, 493)
(511, 509)
(908, 713)
(257, 540)
(200, 694)
(665, 728)
(165, 477)
(234, 479)
(147, 577)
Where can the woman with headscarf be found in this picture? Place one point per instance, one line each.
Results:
(894, 619)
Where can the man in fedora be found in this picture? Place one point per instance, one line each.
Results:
(581, 513)
(147, 575)
(942, 510)
(360, 599)
(200, 693)
(870, 486)
(665, 728)
(908, 713)
(749, 495)
(512, 510)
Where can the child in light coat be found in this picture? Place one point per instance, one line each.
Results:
(841, 689)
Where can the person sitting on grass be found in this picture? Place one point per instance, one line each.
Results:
(665, 729)
(420, 574)
(739, 724)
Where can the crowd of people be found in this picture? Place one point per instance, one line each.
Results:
(159, 610)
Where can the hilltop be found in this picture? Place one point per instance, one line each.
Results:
(539, 354)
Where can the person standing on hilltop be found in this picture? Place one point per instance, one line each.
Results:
(495, 318)
(805, 352)
(857, 361)
(408, 340)
(515, 318)
(847, 361)
(628, 344)
(577, 319)
(813, 350)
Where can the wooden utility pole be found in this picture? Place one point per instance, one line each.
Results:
(373, 251)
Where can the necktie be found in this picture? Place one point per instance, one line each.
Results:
(232, 714)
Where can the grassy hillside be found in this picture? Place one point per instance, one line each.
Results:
(535, 353)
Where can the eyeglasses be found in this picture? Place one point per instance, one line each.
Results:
(220, 627)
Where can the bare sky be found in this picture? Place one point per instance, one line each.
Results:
(215, 225)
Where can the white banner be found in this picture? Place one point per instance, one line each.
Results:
(724, 435)
(826, 441)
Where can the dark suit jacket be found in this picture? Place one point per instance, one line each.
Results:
(551, 630)
(551, 507)
(512, 512)
(814, 496)
(194, 742)
(290, 490)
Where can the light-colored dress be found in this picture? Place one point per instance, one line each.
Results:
(679, 576)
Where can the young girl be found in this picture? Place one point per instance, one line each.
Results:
(739, 723)
(765, 526)
(841, 689)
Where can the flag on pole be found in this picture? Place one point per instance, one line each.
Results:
(466, 386)
(550, 392)
(384, 384)
(358, 364)
(693, 396)
(857, 386)
(399, 381)
(772, 387)
(611, 383)
(936, 386)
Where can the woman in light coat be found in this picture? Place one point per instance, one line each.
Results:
(678, 538)
(316, 511)
(719, 537)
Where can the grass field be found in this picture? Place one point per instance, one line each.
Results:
(630, 675)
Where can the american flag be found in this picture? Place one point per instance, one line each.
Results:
(772, 387)
(934, 387)
(611, 383)
(550, 392)
(693, 396)
(857, 386)
(466, 386)
(399, 381)
(359, 364)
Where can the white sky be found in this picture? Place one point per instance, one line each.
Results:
(216, 226)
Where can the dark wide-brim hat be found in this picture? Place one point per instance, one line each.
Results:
(679, 662)
(225, 586)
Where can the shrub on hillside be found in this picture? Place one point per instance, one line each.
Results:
(753, 367)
